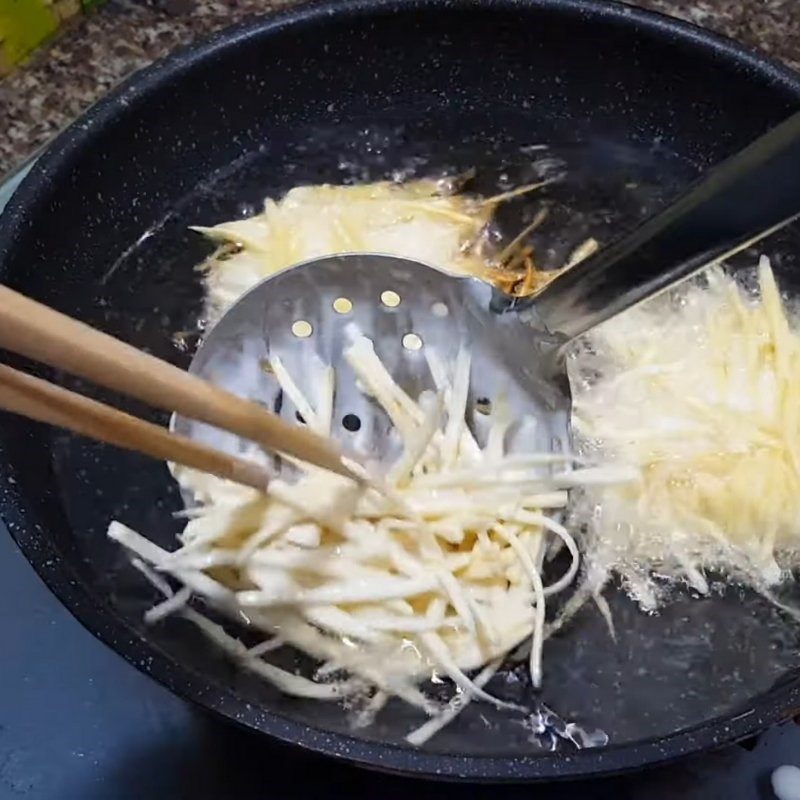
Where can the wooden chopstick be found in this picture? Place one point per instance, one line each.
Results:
(45, 402)
(43, 334)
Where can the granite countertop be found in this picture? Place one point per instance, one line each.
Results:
(62, 80)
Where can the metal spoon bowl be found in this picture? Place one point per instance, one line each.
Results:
(307, 316)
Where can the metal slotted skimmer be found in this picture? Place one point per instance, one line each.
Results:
(307, 316)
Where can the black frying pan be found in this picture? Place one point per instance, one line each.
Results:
(633, 106)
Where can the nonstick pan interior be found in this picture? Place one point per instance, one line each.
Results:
(631, 106)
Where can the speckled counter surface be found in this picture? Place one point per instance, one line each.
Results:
(102, 49)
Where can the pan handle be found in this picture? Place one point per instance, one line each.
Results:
(747, 197)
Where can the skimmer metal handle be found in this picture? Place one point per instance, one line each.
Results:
(744, 199)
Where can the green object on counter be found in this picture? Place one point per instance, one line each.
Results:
(24, 24)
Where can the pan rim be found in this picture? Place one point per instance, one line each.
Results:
(102, 620)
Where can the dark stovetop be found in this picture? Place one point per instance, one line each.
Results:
(79, 723)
